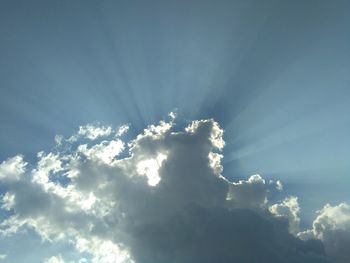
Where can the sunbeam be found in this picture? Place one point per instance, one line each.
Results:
(138, 131)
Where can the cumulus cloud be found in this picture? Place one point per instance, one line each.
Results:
(332, 226)
(252, 193)
(12, 169)
(164, 201)
(288, 208)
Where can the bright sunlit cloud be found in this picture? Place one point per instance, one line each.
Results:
(165, 195)
(150, 169)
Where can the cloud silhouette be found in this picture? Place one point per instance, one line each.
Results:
(160, 197)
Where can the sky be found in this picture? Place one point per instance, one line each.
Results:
(218, 115)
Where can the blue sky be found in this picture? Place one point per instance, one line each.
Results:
(274, 74)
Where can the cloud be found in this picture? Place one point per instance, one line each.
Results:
(105, 151)
(332, 226)
(12, 169)
(59, 259)
(55, 259)
(93, 132)
(288, 208)
(252, 193)
(3, 256)
(164, 201)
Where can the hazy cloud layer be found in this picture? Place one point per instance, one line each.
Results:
(165, 202)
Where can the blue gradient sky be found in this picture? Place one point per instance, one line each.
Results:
(275, 74)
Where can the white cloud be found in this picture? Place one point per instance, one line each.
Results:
(55, 259)
(105, 151)
(332, 226)
(59, 259)
(279, 185)
(3, 256)
(215, 132)
(172, 115)
(289, 209)
(150, 168)
(8, 201)
(13, 168)
(93, 132)
(59, 139)
(167, 201)
(122, 130)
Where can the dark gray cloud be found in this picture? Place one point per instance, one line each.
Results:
(216, 234)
